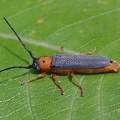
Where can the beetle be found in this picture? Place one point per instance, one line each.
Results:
(67, 64)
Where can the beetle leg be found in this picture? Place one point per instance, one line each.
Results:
(79, 84)
(61, 50)
(57, 83)
(34, 78)
(89, 52)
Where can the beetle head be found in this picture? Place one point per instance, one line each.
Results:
(35, 64)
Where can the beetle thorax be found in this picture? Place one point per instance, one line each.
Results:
(45, 63)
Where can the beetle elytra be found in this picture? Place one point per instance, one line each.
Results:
(67, 64)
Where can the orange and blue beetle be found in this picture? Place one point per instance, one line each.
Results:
(67, 64)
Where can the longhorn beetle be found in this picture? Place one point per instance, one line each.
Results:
(67, 64)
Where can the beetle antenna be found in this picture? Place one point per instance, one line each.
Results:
(35, 60)
(31, 54)
(26, 67)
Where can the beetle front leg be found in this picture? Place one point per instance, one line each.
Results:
(89, 52)
(79, 84)
(39, 76)
(57, 83)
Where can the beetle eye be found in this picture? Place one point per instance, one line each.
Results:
(36, 64)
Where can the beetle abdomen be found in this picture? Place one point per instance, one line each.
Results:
(66, 61)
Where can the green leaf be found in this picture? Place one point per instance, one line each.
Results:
(45, 26)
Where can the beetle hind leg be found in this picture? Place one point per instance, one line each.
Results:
(79, 84)
(57, 83)
(89, 52)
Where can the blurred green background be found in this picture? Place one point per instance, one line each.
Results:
(45, 26)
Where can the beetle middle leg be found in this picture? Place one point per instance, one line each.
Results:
(89, 52)
(61, 50)
(34, 78)
(79, 84)
(57, 83)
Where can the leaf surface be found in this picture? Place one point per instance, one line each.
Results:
(45, 26)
